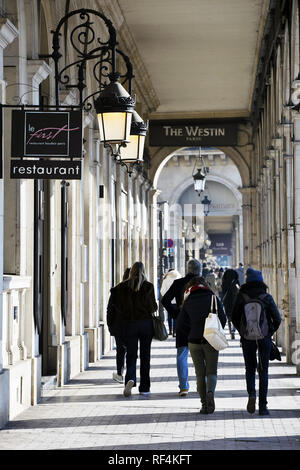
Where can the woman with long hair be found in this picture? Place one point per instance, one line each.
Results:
(113, 323)
(135, 301)
(230, 289)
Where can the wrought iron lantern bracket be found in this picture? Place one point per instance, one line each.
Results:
(100, 54)
(89, 48)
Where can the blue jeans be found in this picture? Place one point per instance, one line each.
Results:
(250, 347)
(137, 333)
(182, 367)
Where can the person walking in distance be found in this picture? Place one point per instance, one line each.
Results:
(256, 317)
(240, 271)
(135, 301)
(196, 307)
(115, 329)
(176, 291)
(230, 288)
(168, 280)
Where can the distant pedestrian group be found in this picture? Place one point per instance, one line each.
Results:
(245, 306)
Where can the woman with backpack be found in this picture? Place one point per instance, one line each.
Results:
(191, 320)
(256, 317)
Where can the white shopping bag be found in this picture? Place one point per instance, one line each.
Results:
(213, 330)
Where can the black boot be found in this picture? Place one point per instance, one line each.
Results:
(203, 410)
(210, 402)
(263, 410)
(251, 405)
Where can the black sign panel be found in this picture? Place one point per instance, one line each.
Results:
(183, 133)
(46, 134)
(221, 243)
(45, 169)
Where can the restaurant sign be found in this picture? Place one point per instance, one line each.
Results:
(45, 169)
(46, 134)
(46, 145)
(192, 133)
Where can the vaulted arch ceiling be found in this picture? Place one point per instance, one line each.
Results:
(202, 58)
(201, 55)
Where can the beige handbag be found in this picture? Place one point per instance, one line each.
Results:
(213, 330)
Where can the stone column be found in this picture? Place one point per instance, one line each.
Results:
(135, 228)
(154, 240)
(297, 227)
(288, 304)
(147, 189)
(249, 230)
(104, 227)
(8, 33)
(37, 72)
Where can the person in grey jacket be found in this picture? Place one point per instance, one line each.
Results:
(195, 310)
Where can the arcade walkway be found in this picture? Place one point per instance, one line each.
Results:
(90, 412)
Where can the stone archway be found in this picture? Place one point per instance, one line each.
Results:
(242, 155)
(239, 154)
(175, 179)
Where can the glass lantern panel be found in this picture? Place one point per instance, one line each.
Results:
(199, 185)
(134, 150)
(114, 127)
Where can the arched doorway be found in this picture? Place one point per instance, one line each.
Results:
(185, 232)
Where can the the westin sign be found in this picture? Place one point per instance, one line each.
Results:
(192, 132)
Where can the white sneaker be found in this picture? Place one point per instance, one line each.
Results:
(146, 394)
(117, 377)
(128, 387)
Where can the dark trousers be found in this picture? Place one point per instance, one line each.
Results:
(138, 333)
(261, 363)
(205, 359)
(171, 324)
(120, 354)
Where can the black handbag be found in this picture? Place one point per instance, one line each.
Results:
(159, 330)
(274, 353)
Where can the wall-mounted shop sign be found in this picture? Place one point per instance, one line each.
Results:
(46, 134)
(221, 243)
(45, 169)
(193, 132)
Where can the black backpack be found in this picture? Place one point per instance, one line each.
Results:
(254, 323)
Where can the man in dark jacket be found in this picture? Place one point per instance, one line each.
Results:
(176, 292)
(253, 288)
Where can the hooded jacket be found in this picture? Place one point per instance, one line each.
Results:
(194, 312)
(254, 289)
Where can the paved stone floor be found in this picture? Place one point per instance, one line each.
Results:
(90, 412)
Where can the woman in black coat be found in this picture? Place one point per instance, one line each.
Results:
(195, 310)
(134, 302)
(230, 288)
(114, 327)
